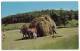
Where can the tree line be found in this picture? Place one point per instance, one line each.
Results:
(59, 16)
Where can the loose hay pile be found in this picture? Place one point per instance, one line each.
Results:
(45, 25)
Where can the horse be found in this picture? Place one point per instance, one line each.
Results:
(24, 32)
(30, 32)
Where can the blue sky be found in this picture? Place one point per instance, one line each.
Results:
(11, 8)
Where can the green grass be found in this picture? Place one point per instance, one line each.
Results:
(64, 43)
(67, 38)
(13, 26)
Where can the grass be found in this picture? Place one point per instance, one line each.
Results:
(67, 38)
(13, 26)
(71, 43)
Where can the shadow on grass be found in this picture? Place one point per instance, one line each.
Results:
(25, 38)
(56, 36)
(62, 27)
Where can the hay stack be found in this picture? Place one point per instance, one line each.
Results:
(44, 25)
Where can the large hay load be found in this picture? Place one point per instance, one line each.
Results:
(44, 24)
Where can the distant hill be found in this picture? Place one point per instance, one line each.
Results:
(59, 16)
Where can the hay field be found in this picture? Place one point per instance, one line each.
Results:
(67, 38)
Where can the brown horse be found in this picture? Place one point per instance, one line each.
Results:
(24, 32)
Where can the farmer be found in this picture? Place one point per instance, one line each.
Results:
(33, 29)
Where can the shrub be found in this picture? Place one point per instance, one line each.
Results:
(72, 23)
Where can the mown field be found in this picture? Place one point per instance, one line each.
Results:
(67, 38)
(13, 26)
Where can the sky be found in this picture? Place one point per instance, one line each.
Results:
(12, 8)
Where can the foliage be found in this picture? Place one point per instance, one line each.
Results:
(59, 16)
(72, 23)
